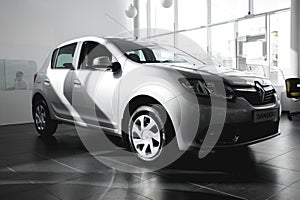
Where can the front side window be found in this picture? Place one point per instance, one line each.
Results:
(65, 57)
(95, 56)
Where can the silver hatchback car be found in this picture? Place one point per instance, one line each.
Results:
(150, 94)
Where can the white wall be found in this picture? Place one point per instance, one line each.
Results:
(29, 29)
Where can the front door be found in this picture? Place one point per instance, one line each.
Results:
(96, 86)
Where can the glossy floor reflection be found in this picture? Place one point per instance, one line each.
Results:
(61, 168)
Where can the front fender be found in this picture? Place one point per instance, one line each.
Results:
(158, 92)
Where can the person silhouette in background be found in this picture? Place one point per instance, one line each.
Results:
(20, 83)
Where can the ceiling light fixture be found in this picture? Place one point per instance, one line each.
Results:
(131, 12)
(166, 3)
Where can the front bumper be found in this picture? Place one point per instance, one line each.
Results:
(191, 118)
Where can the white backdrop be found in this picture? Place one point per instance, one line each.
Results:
(29, 29)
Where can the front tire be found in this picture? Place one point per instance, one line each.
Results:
(148, 131)
(44, 125)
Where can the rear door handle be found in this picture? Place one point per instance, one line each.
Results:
(47, 82)
(77, 83)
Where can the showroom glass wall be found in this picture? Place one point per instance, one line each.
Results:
(259, 42)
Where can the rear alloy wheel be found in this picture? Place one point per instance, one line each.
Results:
(42, 120)
(147, 133)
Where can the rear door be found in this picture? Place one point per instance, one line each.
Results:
(58, 81)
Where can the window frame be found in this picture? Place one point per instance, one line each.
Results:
(54, 57)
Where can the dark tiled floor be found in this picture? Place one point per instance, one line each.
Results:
(61, 168)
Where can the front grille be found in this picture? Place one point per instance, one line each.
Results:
(255, 98)
(247, 131)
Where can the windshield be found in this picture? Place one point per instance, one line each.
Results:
(145, 52)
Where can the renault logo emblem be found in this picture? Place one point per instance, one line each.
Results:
(261, 91)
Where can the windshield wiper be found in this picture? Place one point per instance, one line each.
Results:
(167, 61)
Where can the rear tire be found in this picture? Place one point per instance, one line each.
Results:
(290, 117)
(44, 125)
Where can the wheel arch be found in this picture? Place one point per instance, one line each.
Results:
(132, 105)
(39, 96)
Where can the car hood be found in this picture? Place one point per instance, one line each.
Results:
(231, 76)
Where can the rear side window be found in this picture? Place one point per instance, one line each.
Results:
(64, 57)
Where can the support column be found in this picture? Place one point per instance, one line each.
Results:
(236, 36)
(295, 40)
(149, 18)
(175, 23)
(136, 20)
(250, 10)
(209, 49)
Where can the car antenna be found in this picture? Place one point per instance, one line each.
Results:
(117, 22)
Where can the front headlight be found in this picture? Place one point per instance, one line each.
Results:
(207, 88)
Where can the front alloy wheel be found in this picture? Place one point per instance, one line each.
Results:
(146, 133)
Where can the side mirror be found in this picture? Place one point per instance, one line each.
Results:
(115, 67)
(101, 62)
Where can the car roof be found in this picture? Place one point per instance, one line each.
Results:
(100, 39)
(80, 40)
